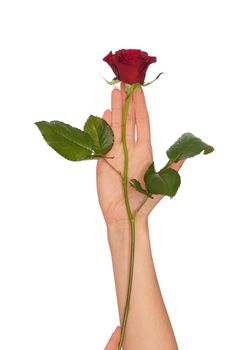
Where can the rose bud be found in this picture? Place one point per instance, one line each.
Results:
(129, 66)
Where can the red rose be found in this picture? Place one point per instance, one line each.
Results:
(129, 66)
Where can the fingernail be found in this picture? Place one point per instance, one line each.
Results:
(122, 85)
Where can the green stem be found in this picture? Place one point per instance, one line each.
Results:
(131, 218)
(117, 171)
(141, 205)
(126, 310)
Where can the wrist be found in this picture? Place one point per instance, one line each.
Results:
(119, 232)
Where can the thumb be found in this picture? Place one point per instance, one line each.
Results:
(178, 165)
(114, 340)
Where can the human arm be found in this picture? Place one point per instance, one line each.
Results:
(148, 325)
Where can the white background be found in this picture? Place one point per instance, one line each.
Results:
(57, 289)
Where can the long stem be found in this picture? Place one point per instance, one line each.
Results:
(126, 310)
(131, 218)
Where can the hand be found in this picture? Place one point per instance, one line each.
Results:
(109, 182)
(114, 340)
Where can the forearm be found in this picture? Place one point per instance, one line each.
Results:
(148, 325)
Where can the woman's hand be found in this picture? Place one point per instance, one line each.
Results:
(114, 340)
(148, 324)
(109, 181)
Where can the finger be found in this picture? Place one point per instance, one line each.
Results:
(114, 340)
(130, 125)
(107, 116)
(178, 165)
(122, 87)
(116, 107)
(141, 117)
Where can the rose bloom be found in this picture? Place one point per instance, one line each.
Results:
(129, 66)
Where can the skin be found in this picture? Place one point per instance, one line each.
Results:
(114, 340)
(148, 325)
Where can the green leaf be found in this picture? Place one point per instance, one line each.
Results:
(111, 82)
(187, 146)
(101, 134)
(150, 170)
(136, 184)
(71, 143)
(165, 181)
(146, 84)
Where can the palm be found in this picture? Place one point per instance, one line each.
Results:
(110, 187)
(109, 182)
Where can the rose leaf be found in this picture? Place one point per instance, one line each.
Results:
(165, 181)
(101, 134)
(71, 143)
(136, 184)
(187, 146)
